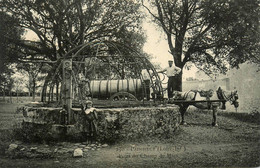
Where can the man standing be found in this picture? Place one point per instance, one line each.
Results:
(171, 73)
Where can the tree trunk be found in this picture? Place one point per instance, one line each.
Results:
(17, 96)
(177, 55)
(10, 93)
(49, 94)
(44, 88)
(57, 91)
(178, 63)
(60, 97)
(52, 87)
(179, 82)
(4, 94)
(33, 90)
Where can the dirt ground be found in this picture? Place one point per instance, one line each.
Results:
(234, 143)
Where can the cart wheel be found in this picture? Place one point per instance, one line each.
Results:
(123, 96)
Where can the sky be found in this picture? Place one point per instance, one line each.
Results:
(157, 46)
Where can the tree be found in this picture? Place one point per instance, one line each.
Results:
(18, 84)
(5, 82)
(214, 35)
(63, 25)
(8, 51)
(32, 71)
(8, 29)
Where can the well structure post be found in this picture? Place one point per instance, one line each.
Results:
(67, 88)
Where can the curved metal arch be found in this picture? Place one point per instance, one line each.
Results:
(157, 78)
(135, 55)
(81, 48)
(150, 66)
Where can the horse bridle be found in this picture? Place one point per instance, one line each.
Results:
(232, 98)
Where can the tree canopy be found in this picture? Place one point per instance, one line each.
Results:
(62, 25)
(214, 35)
(8, 51)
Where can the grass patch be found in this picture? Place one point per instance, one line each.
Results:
(253, 117)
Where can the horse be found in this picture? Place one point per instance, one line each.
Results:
(220, 94)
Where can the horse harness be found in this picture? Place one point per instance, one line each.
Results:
(231, 98)
(222, 96)
(204, 93)
(207, 94)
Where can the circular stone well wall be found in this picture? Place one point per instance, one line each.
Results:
(109, 125)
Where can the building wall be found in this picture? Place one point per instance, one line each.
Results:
(247, 81)
(206, 84)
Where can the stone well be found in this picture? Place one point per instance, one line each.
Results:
(108, 125)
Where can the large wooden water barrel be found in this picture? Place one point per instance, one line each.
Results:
(106, 88)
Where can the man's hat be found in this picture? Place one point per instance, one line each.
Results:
(170, 60)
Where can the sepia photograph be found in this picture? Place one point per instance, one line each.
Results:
(129, 83)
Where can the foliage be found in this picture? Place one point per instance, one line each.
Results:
(34, 73)
(6, 82)
(215, 35)
(18, 83)
(8, 54)
(62, 26)
(8, 30)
